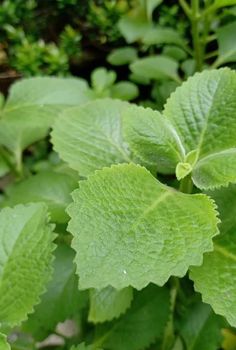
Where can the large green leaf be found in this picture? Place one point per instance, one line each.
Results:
(3, 342)
(142, 324)
(108, 303)
(48, 186)
(129, 229)
(61, 301)
(216, 278)
(25, 259)
(32, 106)
(89, 137)
(201, 328)
(156, 67)
(201, 110)
(227, 45)
(152, 138)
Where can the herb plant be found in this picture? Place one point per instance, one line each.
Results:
(147, 260)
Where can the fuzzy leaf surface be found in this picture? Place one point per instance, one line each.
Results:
(216, 278)
(25, 259)
(47, 186)
(89, 137)
(109, 303)
(201, 110)
(129, 229)
(152, 138)
(142, 324)
(32, 106)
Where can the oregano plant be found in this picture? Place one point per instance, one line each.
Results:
(127, 230)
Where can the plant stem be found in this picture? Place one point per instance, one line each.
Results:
(195, 17)
(186, 184)
(185, 7)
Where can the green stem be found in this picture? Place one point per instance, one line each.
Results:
(185, 7)
(186, 184)
(195, 17)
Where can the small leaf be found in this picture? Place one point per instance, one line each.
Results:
(129, 229)
(124, 90)
(158, 35)
(182, 170)
(122, 56)
(32, 106)
(89, 137)
(151, 138)
(3, 342)
(227, 45)
(25, 259)
(102, 79)
(133, 27)
(142, 324)
(175, 52)
(221, 3)
(62, 300)
(49, 187)
(156, 67)
(108, 303)
(216, 278)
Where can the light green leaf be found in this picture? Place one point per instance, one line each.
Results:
(150, 6)
(33, 105)
(124, 90)
(216, 278)
(129, 229)
(89, 137)
(175, 52)
(156, 67)
(143, 323)
(227, 44)
(108, 303)
(3, 342)
(122, 56)
(4, 167)
(133, 28)
(201, 110)
(182, 170)
(49, 187)
(158, 35)
(201, 328)
(102, 79)
(25, 259)
(221, 3)
(225, 199)
(62, 300)
(152, 138)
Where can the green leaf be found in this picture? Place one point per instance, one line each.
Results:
(3, 342)
(201, 328)
(143, 323)
(102, 79)
(49, 187)
(150, 6)
(124, 90)
(32, 106)
(129, 229)
(227, 45)
(89, 137)
(62, 300)
(122, 56)
(158, 35)
(221, 3)
(225, 199)
(82, 346)
(4, 167)
(108, 303)
(156, 67)
(25, 258)
(152, 138)
(175, 52)
(201, 110)
(182, 170)
(216, 278)
(133, 28)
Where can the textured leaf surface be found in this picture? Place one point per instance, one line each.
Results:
(62, 299)
(155, 67)
(216, 278)
(201, 111)
(89, 137)
(129, 229)
(3, 342)
(50, 187)
(108, 303)
(25, 258)
(152, 138)
(143, 323)
(201, 328)
(32, 106)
